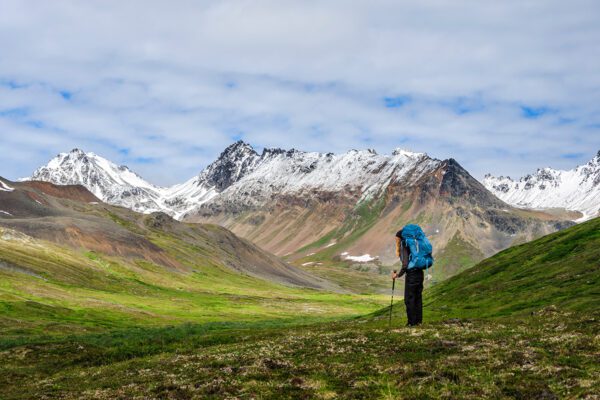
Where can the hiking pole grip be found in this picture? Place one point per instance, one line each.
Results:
(392, 301)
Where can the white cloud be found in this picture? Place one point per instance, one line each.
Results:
(177, 81)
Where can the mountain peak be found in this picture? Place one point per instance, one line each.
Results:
(107, 181)
(233, 163)
(238, 147)
(457, 183)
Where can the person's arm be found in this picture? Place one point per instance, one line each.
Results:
(398, 275)
(402, 254)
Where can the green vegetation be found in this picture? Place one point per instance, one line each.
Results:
(67, 291)
(457, 256)
(362, 218)
(522, 324)
(359, 278)
(452, 359)
(562, 269)
(327, 263)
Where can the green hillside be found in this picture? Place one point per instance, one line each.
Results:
(70, 264)
(47, 289)
(561, 269)
(520, 325)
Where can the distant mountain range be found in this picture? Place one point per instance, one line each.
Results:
(311, 207)
(236, 180)
(240, 178)
(577, 189)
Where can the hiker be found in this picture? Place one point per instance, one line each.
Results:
(413, 264)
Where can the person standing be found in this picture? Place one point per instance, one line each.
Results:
(413, 283)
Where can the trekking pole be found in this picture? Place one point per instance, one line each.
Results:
(392, 302)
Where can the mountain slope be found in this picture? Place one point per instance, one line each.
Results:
(577, 189)
(561, 269)
(291, 198)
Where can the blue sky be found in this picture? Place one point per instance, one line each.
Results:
(503, 87)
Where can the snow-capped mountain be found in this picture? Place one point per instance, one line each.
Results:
(245, 179)
(285, 200)
(577, 189)
(109, 182)
(235, 162)
(240, 176)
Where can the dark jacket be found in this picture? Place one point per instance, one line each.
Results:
(402, 252)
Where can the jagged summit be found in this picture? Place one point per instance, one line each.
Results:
(458, 183)
(237, 148)
(577, 189)
(231, 165)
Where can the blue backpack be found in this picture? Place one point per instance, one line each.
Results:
(419, 247)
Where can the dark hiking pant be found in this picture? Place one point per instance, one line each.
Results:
(413, 296)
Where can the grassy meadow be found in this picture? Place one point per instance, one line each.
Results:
(49, 290)
(522, 324)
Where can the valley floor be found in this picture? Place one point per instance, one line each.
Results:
(550, 354)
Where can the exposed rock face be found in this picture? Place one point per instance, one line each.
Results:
(458, 183)
(233, 164)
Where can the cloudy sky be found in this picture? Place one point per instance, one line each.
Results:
(163, 86)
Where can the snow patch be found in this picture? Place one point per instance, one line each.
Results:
(361, 259)
(5, 212)
(331, 244)
(308, 263)
(4, 187)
